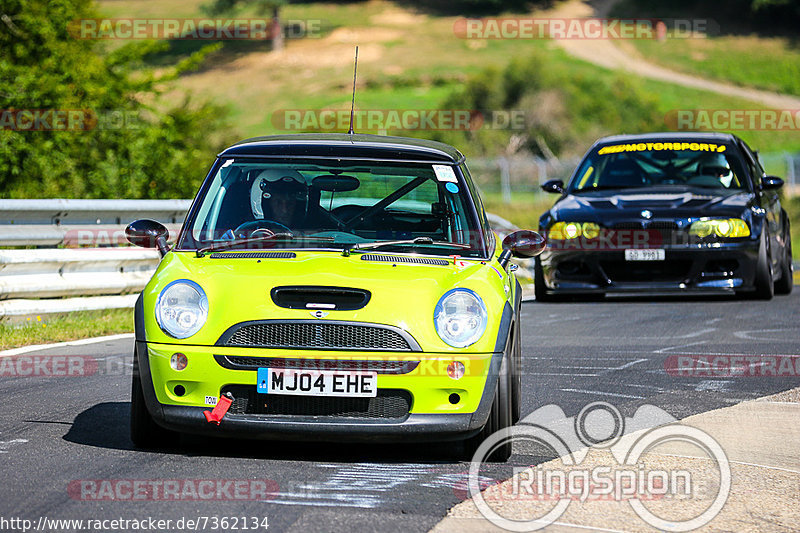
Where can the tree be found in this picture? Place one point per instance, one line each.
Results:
(263, 7)
(128, 141)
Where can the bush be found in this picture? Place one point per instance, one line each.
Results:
(565, 109)
(145, 152)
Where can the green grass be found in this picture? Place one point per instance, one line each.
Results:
(524, 210)
(769, 63)
(66, 327)
(408, 60)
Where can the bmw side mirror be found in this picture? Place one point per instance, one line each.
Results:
(771, 183)
(522, 244)
(553, 186)
(148, 234)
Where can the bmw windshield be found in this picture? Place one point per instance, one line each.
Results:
(656, 164)
(264, 203)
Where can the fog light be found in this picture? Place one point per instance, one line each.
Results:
(455, 370)
(454, 398)
(178, 361)
(180, 390)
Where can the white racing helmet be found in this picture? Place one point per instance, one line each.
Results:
(274, 178)
(716, 165)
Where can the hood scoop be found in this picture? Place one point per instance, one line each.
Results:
(404, 259)
(313, 297)
(253, 255)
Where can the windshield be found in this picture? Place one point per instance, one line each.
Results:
(641, 165)
(334, 205)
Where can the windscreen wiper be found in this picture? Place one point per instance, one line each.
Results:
(227, 245)
(418, 241)
(610, 188)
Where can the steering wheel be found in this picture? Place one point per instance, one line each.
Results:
(254, 228)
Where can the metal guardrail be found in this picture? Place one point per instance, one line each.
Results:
(93, 272)
(37, 281)
(57, 222)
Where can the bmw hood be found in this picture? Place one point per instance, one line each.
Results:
(655, 203)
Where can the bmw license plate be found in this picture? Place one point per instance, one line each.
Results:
(317, 382)
(647, 254)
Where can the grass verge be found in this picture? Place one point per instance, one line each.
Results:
(768, 63)
(66, 327)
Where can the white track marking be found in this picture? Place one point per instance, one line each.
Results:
(623, 367)
(670, 348)
(601, 393)
(81, 342)
(733, 462)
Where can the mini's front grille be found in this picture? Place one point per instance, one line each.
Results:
(254, 255)
(316, 334)
(403, 259)
(235, 362)
(389, 404)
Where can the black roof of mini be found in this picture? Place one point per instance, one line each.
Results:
(345, 146)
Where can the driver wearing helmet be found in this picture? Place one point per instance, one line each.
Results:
(716, 165)
(280, 195)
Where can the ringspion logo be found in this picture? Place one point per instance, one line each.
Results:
(629, 475)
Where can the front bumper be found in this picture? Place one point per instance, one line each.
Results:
(723, 266)
(431, 417)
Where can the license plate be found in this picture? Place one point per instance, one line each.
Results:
(317, 382)
(645, 255)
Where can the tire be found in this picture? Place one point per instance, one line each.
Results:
(786, 283)
(765, 286)
(145, 433)
(516, 376)
(539, 289)
(499, 418)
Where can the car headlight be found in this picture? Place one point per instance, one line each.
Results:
(460, 318)
(728, 227)
(573, 230)
(182, 309)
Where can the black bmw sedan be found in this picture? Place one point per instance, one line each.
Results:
(666, 212)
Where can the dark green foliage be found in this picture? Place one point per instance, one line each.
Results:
(766, 17)
(137, 150)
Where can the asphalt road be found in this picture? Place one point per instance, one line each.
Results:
(57, 432)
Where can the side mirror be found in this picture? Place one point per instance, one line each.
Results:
(522, 243)
(148, 234)
(553, 186)
(771, 183)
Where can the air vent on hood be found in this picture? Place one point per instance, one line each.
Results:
(254, 255)
(319, 297)
(404, 259)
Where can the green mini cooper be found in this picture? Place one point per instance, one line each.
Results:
(339, 287)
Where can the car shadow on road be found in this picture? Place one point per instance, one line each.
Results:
(646, 298)
(106, 425)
